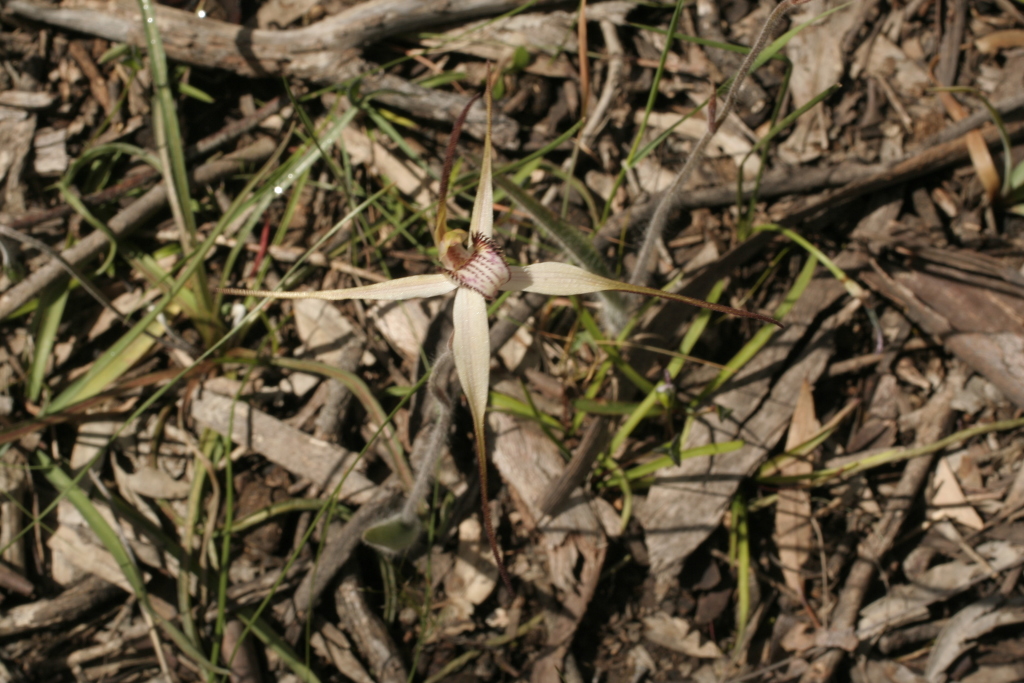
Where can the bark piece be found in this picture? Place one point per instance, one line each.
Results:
(332, 645)
(908, 602)
(471, 580)
(51, 154)
(240, 655)
(977, 321)
(368, 632)
(14, 480)
(677, 634)
(21, 99)
(16, 128)
(324, 52)
(966, 626)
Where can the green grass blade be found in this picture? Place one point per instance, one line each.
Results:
(52, 301)
(851, 285)
(742, 533)
(363, 394)
(888, 457)
(172, 147)
(762, 336)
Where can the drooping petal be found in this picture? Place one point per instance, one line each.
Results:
(563, 279)
(481, 222)
(413, 287)
(471, 346)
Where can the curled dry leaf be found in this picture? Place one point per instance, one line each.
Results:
(968, 625)
(906, 603)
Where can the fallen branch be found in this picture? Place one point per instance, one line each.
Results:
(853, 181)
(324, 52)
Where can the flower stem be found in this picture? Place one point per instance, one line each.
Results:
(438, 385)
(481, 453)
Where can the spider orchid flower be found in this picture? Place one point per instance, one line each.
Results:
(474, 267)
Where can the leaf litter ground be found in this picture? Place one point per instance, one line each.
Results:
(677, 495)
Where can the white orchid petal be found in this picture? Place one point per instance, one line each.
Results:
(557, 279)
(481, 222)
(471, 346)
(562, 279)
(413, 287)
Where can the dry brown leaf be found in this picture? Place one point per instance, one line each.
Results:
(572, 542)
(733, 138)
(948, 501)
(404, 324)
(818, 63)
(1001, 673)
(793, 533)
(281, 13)
(324, 331)
(906, 603)
(688, 500)
(155, 483)
(799, 638)
(471, 580)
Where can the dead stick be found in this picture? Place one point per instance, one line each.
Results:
(342, 540)
(67, 607)
(125, 222)
(929, 160)
(854, 180)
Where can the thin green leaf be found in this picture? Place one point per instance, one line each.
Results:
(172, 147)
(189, 90)
(740, 529)
(52, 301)
(649, 468)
